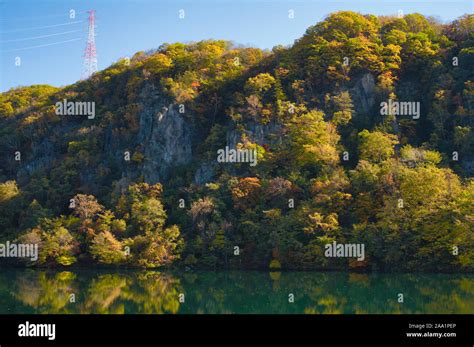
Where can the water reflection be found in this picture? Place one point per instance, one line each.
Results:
(108, 292)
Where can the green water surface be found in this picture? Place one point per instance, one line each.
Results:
(131, 292)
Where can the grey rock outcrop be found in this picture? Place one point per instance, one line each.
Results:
(363, 94)
(167, 141)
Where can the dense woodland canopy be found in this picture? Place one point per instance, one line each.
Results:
(401, 186)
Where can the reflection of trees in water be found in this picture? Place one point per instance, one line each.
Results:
(329, 293)
(459, 301)
(154, 292)
(143, 292)
(47, 293)
(361, 293)
(236, 292)
(104, 293)
(206, 292)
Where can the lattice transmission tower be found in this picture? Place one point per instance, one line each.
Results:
(90, 54)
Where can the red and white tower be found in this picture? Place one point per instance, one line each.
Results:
(90, 54)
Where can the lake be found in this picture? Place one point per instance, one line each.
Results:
(133, 291)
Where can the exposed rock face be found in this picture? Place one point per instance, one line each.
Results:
(468, 166)
(205, 173)
(166, 139)
(256, 132)
(363, 94)
(42, 157)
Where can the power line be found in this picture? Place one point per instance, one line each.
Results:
(43, 27)
(40, 37)
(39, 46)
(40, 17)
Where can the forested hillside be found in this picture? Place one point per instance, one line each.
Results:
(140, 183)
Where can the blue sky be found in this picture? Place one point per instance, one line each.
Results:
(51, 45)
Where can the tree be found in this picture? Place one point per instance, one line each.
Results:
(106, 249)
(152, 244)
(313, 140)
(11, 203)
(417, 156)
(86, 206)
(6, 109)
(158, 248)
(342, 108)
(376, 146)
(201, 208)
(8, 191)
(58, 245)
(260, 84)
(147, 215)
(246, 193)
(32, 215)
